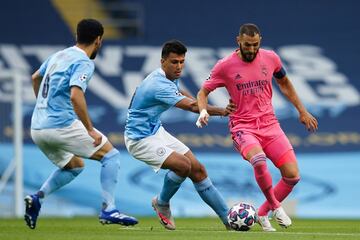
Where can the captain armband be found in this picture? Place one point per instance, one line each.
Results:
(280, 74)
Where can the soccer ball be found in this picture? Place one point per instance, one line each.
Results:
(242, 216)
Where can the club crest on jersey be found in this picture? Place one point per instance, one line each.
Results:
(160, 151)
(178, 93)
(208, 78)
(83, 77)
(264, 70)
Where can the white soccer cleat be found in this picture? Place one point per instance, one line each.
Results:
(265, 224)
(164, 214)
(281, 217)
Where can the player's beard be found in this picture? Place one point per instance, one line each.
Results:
(248, 56)
(93, 54)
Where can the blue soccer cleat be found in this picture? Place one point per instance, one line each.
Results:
(32, 209)
(115, 217)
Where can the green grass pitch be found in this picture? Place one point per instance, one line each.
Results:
(187, 229)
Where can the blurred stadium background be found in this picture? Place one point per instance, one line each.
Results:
(317, 40)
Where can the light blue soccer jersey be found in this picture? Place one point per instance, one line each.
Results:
(155, 95)
(66, 68)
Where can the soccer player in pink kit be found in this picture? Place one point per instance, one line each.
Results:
(247, 76)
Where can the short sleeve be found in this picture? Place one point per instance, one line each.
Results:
(44, 66)
(279, 70)
(169, 93)
(216, 79)
(81, 74)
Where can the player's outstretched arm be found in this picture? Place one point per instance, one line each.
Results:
(202, 100)
(80, 107)
(188, 104)
(191, 104)
(36, 80)
(187, 94)
(305, 117)
(205, 110)
(212, 110)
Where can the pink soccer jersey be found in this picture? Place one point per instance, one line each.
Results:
(249, 86)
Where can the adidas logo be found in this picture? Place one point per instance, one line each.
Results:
(115, 215)
(238, 76)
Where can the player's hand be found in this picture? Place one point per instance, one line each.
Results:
(230, 108)
(309, 121)
(203, 119)
(96, 136)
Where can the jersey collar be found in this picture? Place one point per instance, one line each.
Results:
(162, 72)
(79, 49)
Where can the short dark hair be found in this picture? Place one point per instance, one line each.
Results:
(173, 46)
(249, 29)
(88, 30)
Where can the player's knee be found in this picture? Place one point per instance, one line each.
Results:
(187, 167)
(75, 162)
(258, 161)
(291, 181)
(202, 170)
(184, 167)
(290, 171)
(76, 171)
(199, 173)
(80, 164)
(112, 157)
(293, 174)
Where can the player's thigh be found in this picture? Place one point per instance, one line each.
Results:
(151, 150)
(172, 142)
(99, 154)
(75, 162)
(61, 144)
(53, 149)
(177, 163)
(280, 151)
(76, 140)
(184, 160)
(246, 143)
(289, 170)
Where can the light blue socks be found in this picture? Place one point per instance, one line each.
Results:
(110, 165)
(172, 183)
(58, 179)
(212, 197)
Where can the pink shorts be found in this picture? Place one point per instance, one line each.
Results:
(271, 139)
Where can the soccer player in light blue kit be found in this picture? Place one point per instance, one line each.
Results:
(147, 140)
(62, 128)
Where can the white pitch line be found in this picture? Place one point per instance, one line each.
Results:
(249, 232)
(314, 233)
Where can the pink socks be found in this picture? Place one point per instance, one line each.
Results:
(263, 179)
(281, 191)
